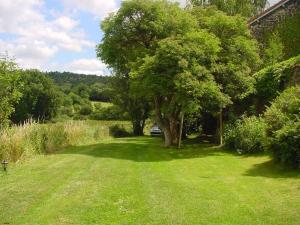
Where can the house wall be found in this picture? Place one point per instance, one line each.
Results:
(268, 21)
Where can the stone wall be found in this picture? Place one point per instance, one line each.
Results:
(268, 19)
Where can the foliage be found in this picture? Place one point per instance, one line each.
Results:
(23, 141)
(246, 8)
(177, 76)
(289, 33)
(40, 98)
(157, 44)
(239, 54)
(86, 109)
(101, 92)
(274, 79)
(137, 108)
(134, 30)
(287, 30)
(129, 35)
(73, 79)
(112, 112)
(118, 131)
(246, 135)
(273, 52)
(283, 127)
(82, 90)
(10, 92)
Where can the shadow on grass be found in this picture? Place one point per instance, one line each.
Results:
(144, 149)
(272, 170)
(148, 149)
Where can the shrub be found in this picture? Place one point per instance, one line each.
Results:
(118, 131)
(86, 109)
(283, 127)
(274, 79)
(246, 135)
(108, 113)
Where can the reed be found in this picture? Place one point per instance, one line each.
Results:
(23, 141)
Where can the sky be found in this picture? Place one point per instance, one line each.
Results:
(56, 35)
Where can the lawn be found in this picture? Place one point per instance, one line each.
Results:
(135, 181)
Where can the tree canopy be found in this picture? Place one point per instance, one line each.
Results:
(40, 98)
(179, 60)
(129, 35)
(245, 8)
(10, 93)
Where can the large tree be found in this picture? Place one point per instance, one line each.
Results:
(129, 35)
(40, 97)
(137, 107)
(238, 57)
(178, 79)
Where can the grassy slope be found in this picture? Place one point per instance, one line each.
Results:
(135, 181)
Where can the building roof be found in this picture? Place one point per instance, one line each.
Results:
(267, 11)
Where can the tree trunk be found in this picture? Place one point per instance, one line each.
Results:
(180, 130)
(138, 128)
(168, 123)
(168, 137)
(174, 130)
(221, 126)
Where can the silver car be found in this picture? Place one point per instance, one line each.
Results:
(155, 131)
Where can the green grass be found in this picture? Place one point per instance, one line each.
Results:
(103, 104)
(135, 181)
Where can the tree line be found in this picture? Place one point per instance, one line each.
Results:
(32, 94)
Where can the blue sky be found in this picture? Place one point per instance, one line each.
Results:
(55, 34)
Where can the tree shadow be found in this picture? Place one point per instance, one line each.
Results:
(143, 150)
(271, 169)
(149, 149)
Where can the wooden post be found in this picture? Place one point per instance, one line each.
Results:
(180, 130)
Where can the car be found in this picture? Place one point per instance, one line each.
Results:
(155, 131)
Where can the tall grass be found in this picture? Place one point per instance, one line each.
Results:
(23, 141)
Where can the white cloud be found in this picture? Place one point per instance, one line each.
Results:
(35, 39)
(83, 66)
(29, 55)
(88, 66)
(66, 22)
(99, 8)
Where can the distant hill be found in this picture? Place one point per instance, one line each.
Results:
(62, 78)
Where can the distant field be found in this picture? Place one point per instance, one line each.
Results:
(137, 181)
(103, 104)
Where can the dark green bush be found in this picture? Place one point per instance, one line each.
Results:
(246, 135)
(108, 113)
(118, 131)
(274, 79)
(283, 127)
(86, 109)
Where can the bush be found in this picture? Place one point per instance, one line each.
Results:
(86, 109)
(283, 127)
(246, 135)
(118, 131)
(108, 113)
(274, 79)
